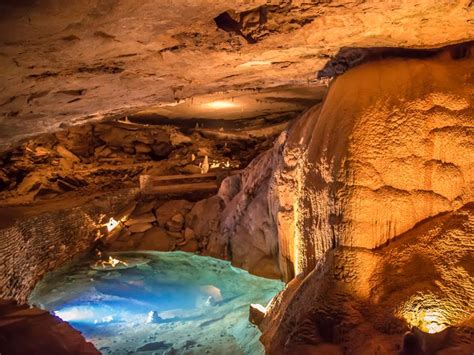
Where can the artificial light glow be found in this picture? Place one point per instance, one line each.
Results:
(259, 307)
(111, 224)
(221, 104)
(430, 322)
(254, 63)
(424, 313)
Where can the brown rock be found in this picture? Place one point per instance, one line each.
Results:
(176, 223)
(139, 227)
(157, 239)
(188, 234)
(191, 246)
(162, 150)
(170, 208)
(65, 164)
(204, 220)
(143, 207)
(142, 148)
(126, 211)
(128, 150)
(103, 151)
(190, 169)
(66, 154)
(144, 218)
(32, 181)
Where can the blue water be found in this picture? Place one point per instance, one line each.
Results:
(158, 303)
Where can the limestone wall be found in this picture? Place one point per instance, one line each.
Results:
(35, 245)
(390, 146)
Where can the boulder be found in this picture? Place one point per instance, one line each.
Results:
(191, 246)
(204, 220)
(190, 169)
(157, 239)
(139, 227)
(144, 218)
(141, 148)
(176, 223)
(143, 207)
(170, 208)
(103, 151)
(66, 154)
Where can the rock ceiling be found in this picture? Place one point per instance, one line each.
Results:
(68, 62)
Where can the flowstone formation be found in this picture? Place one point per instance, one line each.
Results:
(388, 149)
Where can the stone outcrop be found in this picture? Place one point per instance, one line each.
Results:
(25, 330)
(386, 149)
(362, 301)
(108, 156)
(35, 244)
(70, 64)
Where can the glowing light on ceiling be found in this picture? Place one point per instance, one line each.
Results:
(254, 63)
(221, 104)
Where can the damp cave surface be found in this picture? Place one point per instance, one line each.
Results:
(158, 303)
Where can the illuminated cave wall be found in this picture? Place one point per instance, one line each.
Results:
(34, 245)
(389, 147)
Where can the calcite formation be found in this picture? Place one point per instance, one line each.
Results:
(387, 148)
(363, 204)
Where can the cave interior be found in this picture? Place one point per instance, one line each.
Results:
(238, 177)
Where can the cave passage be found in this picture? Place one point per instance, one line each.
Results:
(158, 301)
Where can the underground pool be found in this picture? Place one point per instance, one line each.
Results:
(157, 303)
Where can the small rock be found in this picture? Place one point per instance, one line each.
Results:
(176, 223)
(144, 218)
(188, 234)
(65, 164)
(143, 207)
(128, 150)
(162, 150)
(31, 182)
(142, 148)
(103, 151)
(190, 169)
(256, 314)
(66, 154)
(153, 317)
(139, 227)
(191, 246)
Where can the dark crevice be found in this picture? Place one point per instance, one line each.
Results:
(349, 57)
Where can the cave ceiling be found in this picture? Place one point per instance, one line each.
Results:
(67, 62)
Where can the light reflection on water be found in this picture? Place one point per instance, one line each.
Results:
(160, 303)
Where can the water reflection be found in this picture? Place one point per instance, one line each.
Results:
(163, 302)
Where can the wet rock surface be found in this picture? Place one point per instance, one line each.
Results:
(20, 321)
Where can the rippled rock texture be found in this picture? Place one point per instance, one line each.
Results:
(371, 198)
(66, 63)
